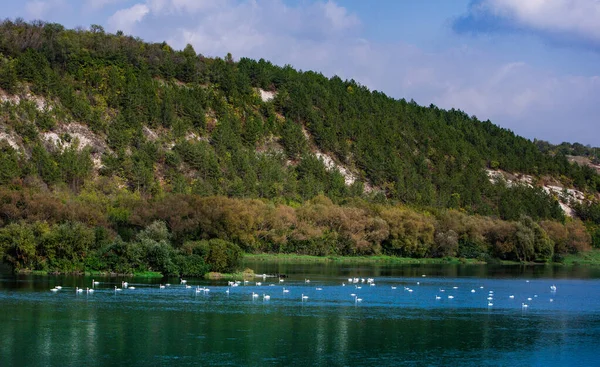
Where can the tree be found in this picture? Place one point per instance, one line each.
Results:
(223, 256)
(17, 244)
(8, 75)
(9, 163)
(293, 139)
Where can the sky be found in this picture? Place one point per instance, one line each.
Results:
(531, 66)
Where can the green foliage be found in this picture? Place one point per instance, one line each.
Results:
(157, 231)
(17, 245)
(158, 255)
(532, 242)
(223, 256)
(201, 157)
(191, 265)
(9, 164)
(8, 75)
(293, 139)
(68, 242)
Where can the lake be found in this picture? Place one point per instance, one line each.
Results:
(413, 315)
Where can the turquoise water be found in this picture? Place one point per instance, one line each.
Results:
(177, 326)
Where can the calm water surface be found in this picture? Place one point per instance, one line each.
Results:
(178, 326)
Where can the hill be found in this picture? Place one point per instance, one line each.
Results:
(106, 133)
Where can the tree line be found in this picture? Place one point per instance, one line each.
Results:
(122, 232)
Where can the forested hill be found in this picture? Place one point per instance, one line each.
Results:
(86, 112)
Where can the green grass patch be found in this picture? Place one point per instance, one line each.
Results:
(591, 257)
(37, 272)
(294, 258)
(246, 274)
(148, 274)
(95, 273)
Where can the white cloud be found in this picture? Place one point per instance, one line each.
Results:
(339, 17)
(186, 7)
(100, 4)
(247, 28)
(125, 19)
(579, 18)
(39, 9)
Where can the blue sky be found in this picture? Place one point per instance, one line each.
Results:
(532, 66)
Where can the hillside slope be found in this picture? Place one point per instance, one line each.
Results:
(87, 113)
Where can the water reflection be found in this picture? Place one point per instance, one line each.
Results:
(338, 269)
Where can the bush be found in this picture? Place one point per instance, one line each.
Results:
(158, 256)
(191, 265)
(223, 256)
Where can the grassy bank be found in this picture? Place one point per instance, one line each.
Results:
(294, 258)
(246, 274)
(584, 258)
(144, 274)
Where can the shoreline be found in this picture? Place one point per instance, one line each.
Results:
(381, 259)
(590, 258)
(144, 274)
